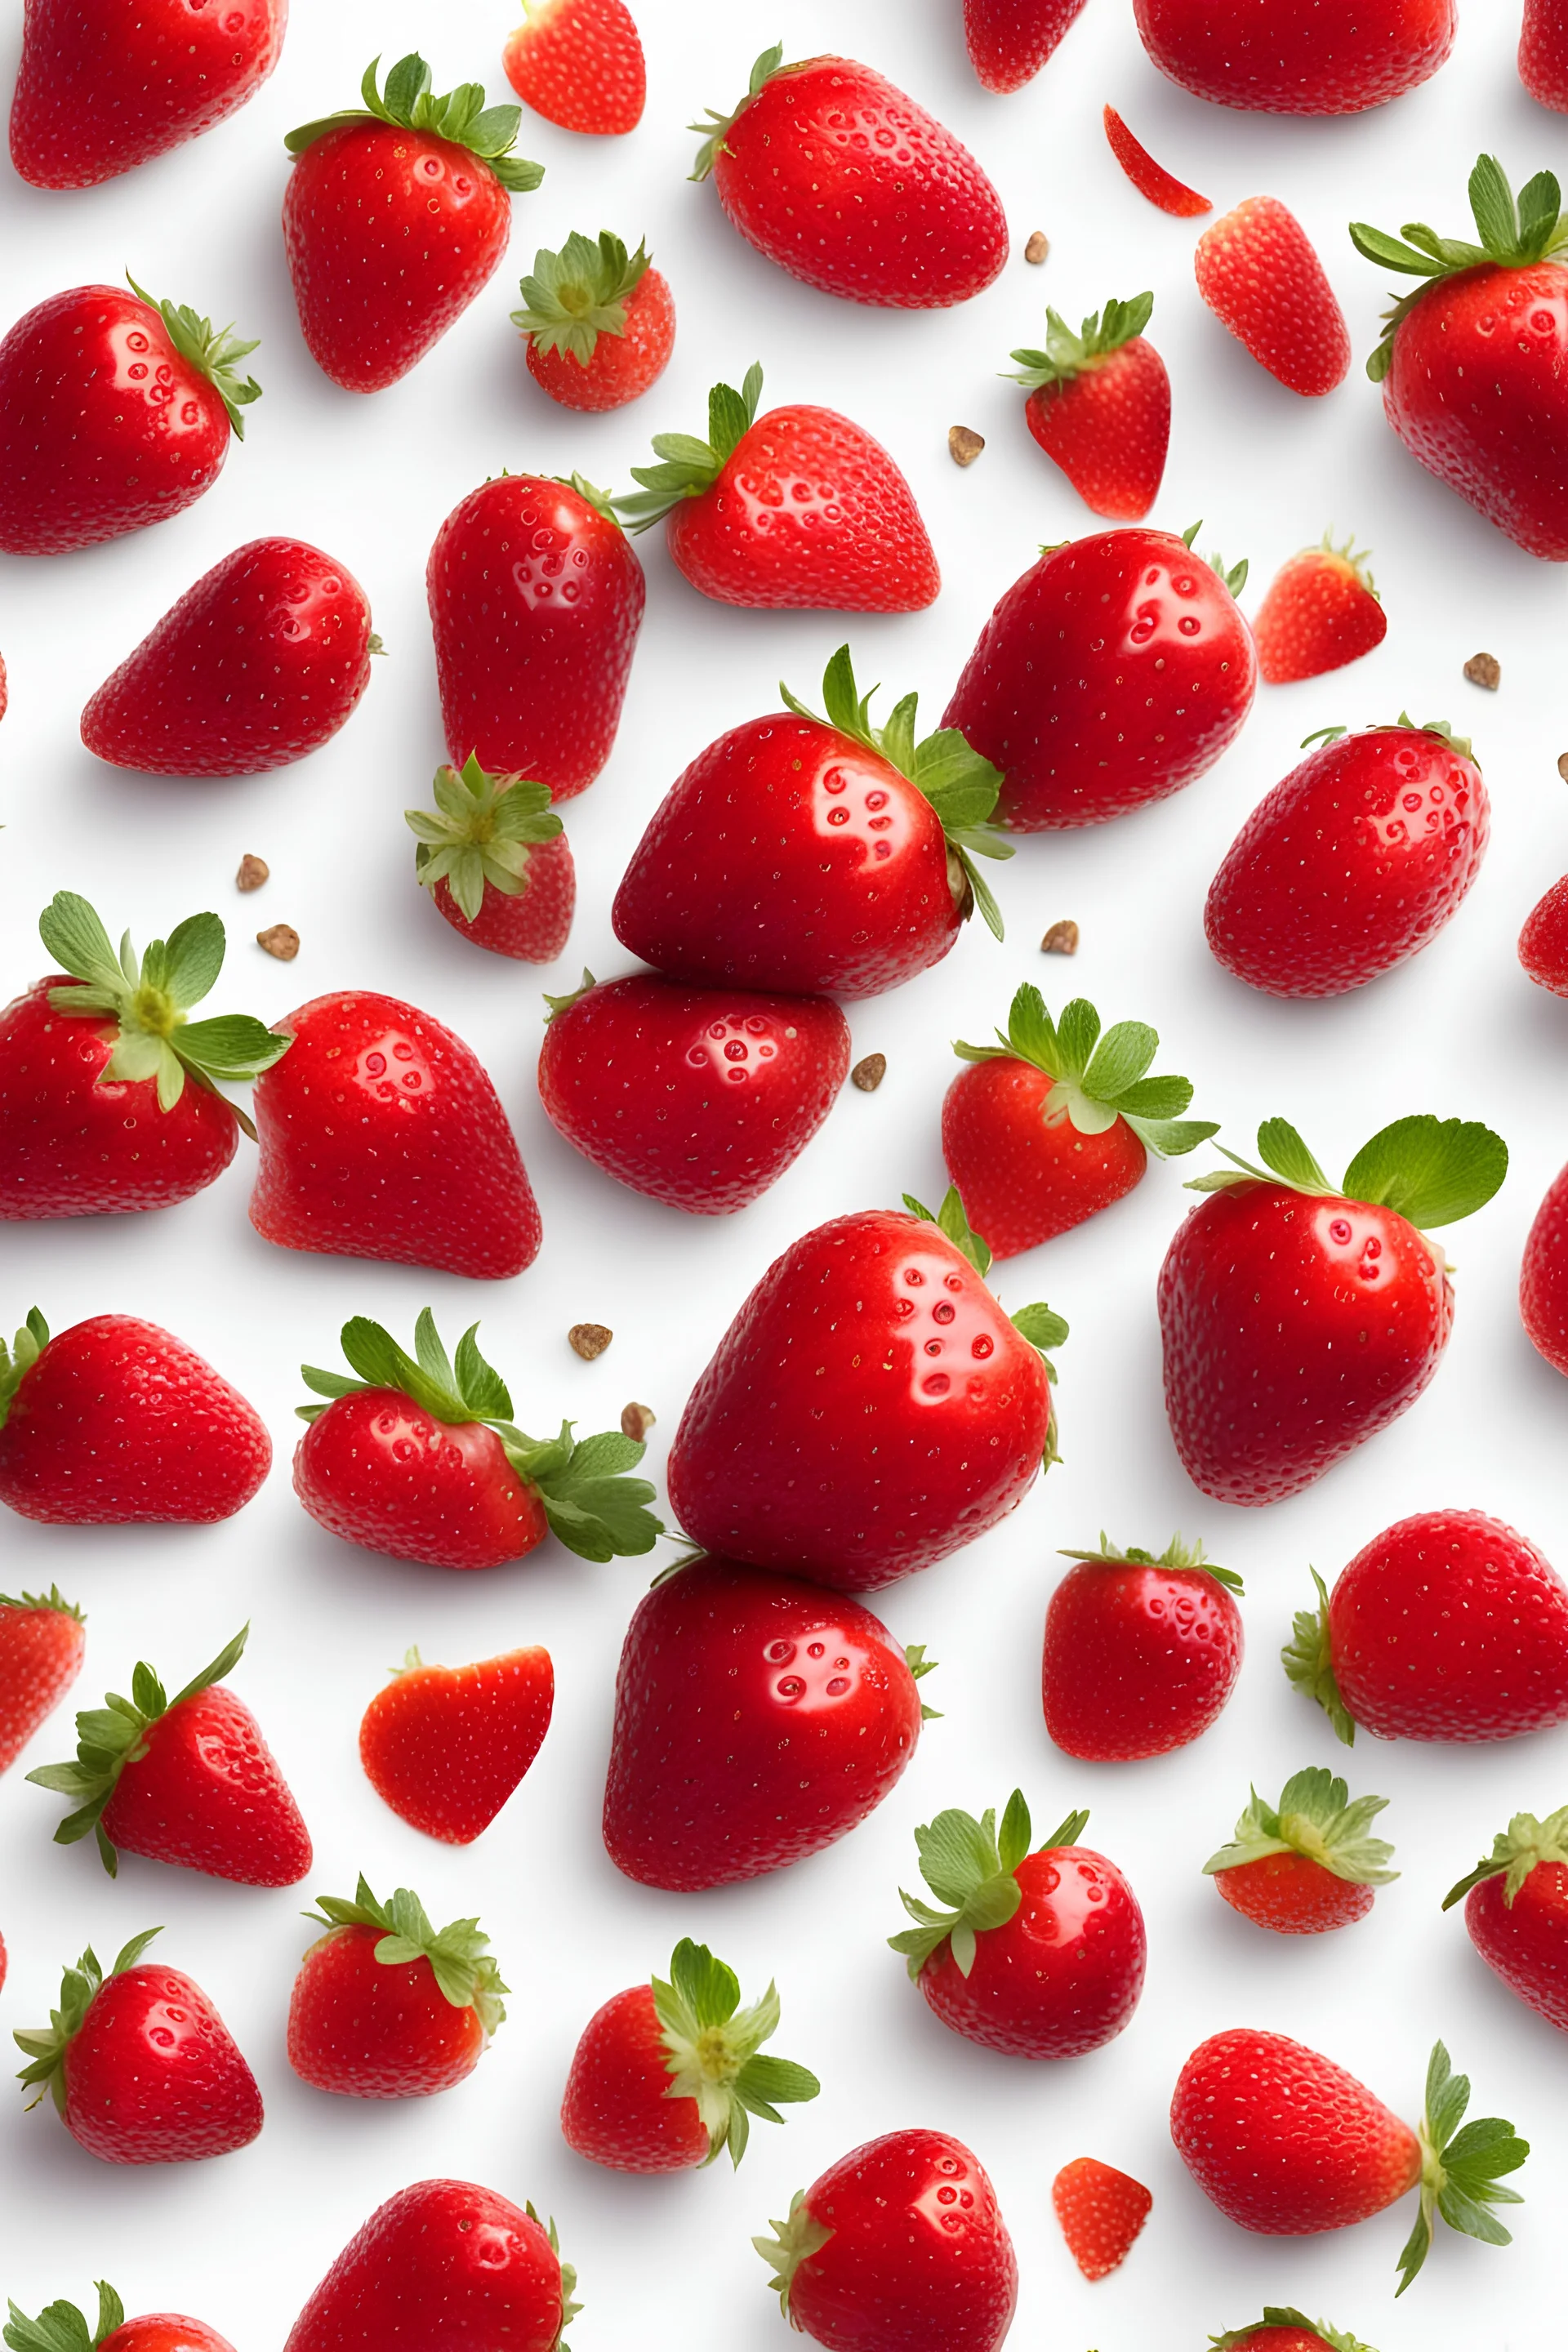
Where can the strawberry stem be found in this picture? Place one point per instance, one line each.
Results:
(1461, 2169)
(573, 297)
(1316, 1818)
(713, 2048)
(1098, 1079)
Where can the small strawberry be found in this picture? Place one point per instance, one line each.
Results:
(1516, 1909)
(1544, 54)
(115, 412)
(1260, 276)
(758, 1720)
(599, 324)
(580, 63)
(382, 1136)
(1039, 1955)
(5, 695)
(62, 2328)
(1101, 2212)
(494, 859)
(396, 214)
(1447, 1626)
(1307, 1865)
(666, 2076)
(1543, 1278)
(140, 2067)
(1285, 2330)
(115, 1420)
(445, 1745)
(698, 1096)
(899, 2244)
(796, 507)
(1321, 612)
(1100, 407)
(1009, 40)
(1140, 1654)
(42, 1642)
(1150, 179)
(440, 2263)
(536, 599)
(1329, 56)
(421, 1461)
(1544, 941)
(1272, 1374)
(386, 2008)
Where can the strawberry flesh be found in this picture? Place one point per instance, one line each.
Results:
(1101, 2212)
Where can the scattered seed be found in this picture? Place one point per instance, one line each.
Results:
(1484, 669)
(589, 1339)
(869, 1074)
(964, 445)
(1562, 766)
(1061, 940)
(281, 940)
(253, 873)
(1039, 245)
(636, 1420)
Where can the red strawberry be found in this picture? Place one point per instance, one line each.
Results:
(115, 1420)
(140, 2064)
(1260, 276)
(1353, 863)
(441, 2264)
(1101, 2212)
(1544, 54)
(115, 412)
(445, 1745)
(1322, 612)
(1544, 941)
(1271, 1372)
(1100, 405)
(61, 2328)
(1497, 311)
(4, 692)
(1308, 1864)
(1288, 2331)
(493, 857)
(796, 507)
(1116, 670)
(386, 2008)
(1152, 180)
(1327, 56)
(667, 2075)
(382, 1136)
(1054, 1123)
(1039, 1955)
(188, 1780)
(600, 326)
(1140, 1654)
(42, 1642)
(700, 1098)
(396, 214)
(99, 90)
(1010, 40)
(1447, 1626)
(96, 1115)
(579, 63)
(899, 2244)
(1516, 1909)
(758, 1720)
(420, 1461)
(536, 599)
(1543, 1278)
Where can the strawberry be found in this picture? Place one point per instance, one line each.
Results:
(1140, 1654)
(1544, 54)
(1260, 276)
(899, 2244)
(599, 324)
(444, 2263)
(1009, 40)
(667, 2075)
(386, 2008)
(188, 1780)
(1039, 1955)
(396, 214)
(796, 507)
(261, 662)
(536, 599)
(580, 63)
(417, 1164)
(1516, 1909)
(1543, 1278)
(758, 1720)
(1099, 405)
(1499, 311)
(1331, 56)
(1271, 1372)
(1353, 863)
(5, 696)
(1322, 612)
(698, 1096)
(1116, 670)
(1308, 1864)
(445, 1745)
(493, 857)
(140, 2067)
(1053, 1122)
(99, 91)
(61, 2328)
(1287, 2331)
(1101, 2212)
(42, 1642)
(1447, 1626)
(1544, 941)
(98, 1118)
(420, 1461)
(941, 1418)
(115, 1420)
(1150, 179)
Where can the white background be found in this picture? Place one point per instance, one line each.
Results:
(242, 2241)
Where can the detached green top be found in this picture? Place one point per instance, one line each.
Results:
(1429, 1170)
(1513, 236)
(461, 116)
(1100, 336)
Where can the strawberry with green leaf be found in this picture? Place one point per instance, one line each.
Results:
(386, 2007)
(1142, 1652)
(1307, 1864)
(1282, 2330)
(1516, 1909)
(43, 1639)
(1099, 405)
(599, 323)
(494, 858)
(62, 2328)
(441, 2257)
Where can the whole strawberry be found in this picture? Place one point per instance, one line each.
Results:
(1154, 183)
(1543, 1278)
(1039, 1955)
(599, 323)
(1544, 941)
(1308, 1864)
(1286, 2330)
(1544, 54)
(1260, 276)
(1297, 56)
(445, 1745)
(496, 861)
(1101, 2212)
(1099, 405)
(1516, 1909)
(396, 214)
(1009, 40)
(667, 2075)
(1321, 610)
(386, 2007)
(42, 1642)
(440, 2262)
(1140, 1652)
(1299, 1316)
(579, 63)
(1353, 863)
(61, 2325)
(1148, 675)
(758, 1720)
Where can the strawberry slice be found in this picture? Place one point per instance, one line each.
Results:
(1100, 405)
(1307, 1864)
(445, 1745)
(579, 63)
(494, 858)
(1260, 276)
(1150, 179)
(599, 324)
(1101, 2212)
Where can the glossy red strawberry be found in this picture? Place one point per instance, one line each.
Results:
(62, 2328)
(386, 2007)
(1321, 610)
(5, 696)
(1299, 1316)
(1516, 1909)
(599, 324)
(1297, 56)
(579, 63)
(1544, 54)
(1009, 40)
(1100, 2211)
(441, 2260)
(757, 1720)
(1099, 405)
(1261, 274)
(496, 861)
(1307, 1864)
(115, 412)
(42, 1640)
(445, 1745)
(899, 2244)
(1162, 188)
(1282, 2330)
(1543, 1278)
(1140, 1654)
(667, 2075)
(1544, 941)
(1116, 670)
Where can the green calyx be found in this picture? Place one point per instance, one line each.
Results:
(712, 2047)
(60, 2326)
(573, 297)
(713, 126)
(480, 831)
(1097, 1080)
(17, 1359)
(1178, 1553)
(593, 1506)
(1431, 1172)
(1462, 2168)
(53, 1599)
(1066, 356)
(569, 2309)
(45, 2045)
(1458, 744)
(1039, 1324)
(559, 1005)
(1233, 575)
(462, 117)
(920, 1665)
(1309, 1661)
(971, 1866)
(1315, 1817)
(1513, 236)
(689, 467)
(114, 1735)
(794, 2241)
(1516, 1852)
(213, 351)
(460, 1955)
(1279, 2316)
(1354, 559)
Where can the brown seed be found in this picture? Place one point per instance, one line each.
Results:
(1061, 940)
(253, 873)
(867, 1074)
(1484, 669)
(1039, 245)
(589, 1339)
(1562, 766)
(964, 445)
(636, 1420)
(281, 940)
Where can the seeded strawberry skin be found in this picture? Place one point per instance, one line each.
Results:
(446, 1747)
(41, 1651)
(623, 366)
(533, 925)
(1100, 2211)
(442, 2257)
(615, 2111)
(194, 2096)
(1139, 1659)
(1292, 1894)
(1543, 55)
(1544, 941)
(1317, 616)
(378, 1471)
(1060, 1978)
(1338, 57)
(207, 1795)
(1262, 279)
(1162, 188)
(1526, 1942)
(367, 2030)
(1109, 430)
(580, 63)
(1024, 1181)
(1009, 40)
(1543, 1279)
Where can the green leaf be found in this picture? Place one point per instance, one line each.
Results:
(1041, 1325)
(1282, 1148)
(1119, 1060)
(1430, 1171)
(1013, 1839)
(1491, 201)
(594, 1510)
(951, 1220)
(778, 2082)
(192, 958)
(77, 941)
(231, 1047)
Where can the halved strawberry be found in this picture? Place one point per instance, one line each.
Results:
(1100, 405)
(1101, 2212)
(1321, 612)
(494, 858)
(445, 1745)
(1307, 1864)
(599, 323)
(386, 2007)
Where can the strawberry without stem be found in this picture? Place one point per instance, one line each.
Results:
(42, 1642)
(439, 2257)
(580, 63)
(61, 2328)
(1308, 1864)
(1140, 1654)
(1100, 405)
(1297, 56)
(1544, 941)
(1101, 2212)
(1543, 1278)
(1009, 40)
(1544, 54)
(1258, 273)
(495, 860)
(384, 2007)
(599, 323)
(1321, 610)
(445, 1745)
(1150, 179)
(1516, 1909)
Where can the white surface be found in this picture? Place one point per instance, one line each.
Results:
(241, 2241)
